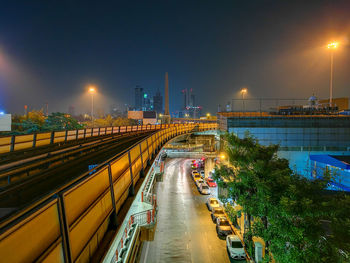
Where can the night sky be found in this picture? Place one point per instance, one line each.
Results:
(50, 50)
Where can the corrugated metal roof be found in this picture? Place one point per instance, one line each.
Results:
(340, 161)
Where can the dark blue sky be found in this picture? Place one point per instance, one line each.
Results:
(50, 50)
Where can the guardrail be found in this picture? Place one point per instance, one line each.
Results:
(130, 232)
(146, 217)
(20, 142)
(70, 222)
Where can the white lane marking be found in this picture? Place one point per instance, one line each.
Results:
(146, 255)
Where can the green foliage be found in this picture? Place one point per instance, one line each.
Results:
(60, 121)
(290, 212)
(109, 121)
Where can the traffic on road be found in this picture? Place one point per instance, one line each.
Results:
(192, 225)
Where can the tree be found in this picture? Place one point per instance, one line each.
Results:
(289, 211)
(60, 121)
(33, 122)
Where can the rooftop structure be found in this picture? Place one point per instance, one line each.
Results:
(337, 165)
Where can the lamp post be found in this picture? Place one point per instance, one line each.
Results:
(92, 91)
(332, 46)
(208, 115)
(243, 91)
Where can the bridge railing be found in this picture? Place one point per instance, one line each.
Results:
(68, 224)
(27, 141)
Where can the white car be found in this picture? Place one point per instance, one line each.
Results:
(223, 227)
(202, 173)
(204, 189)
(235, 248)
(199, 182)
(212, 202)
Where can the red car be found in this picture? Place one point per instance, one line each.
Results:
(211, 182)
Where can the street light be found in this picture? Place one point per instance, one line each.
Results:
(243, 91)
(331, 46)
(222, 156)
(92, 91)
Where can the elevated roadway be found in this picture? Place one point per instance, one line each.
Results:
(51, 178)
(69, 222)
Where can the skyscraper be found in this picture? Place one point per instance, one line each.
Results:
(166, 110)
(184, 92)
(158, 102)
(138, 98)
(191, 99)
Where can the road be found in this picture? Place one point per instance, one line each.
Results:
(185, 231)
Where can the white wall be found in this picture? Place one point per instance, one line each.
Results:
(5, 122)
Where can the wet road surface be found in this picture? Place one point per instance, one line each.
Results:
(185, 231)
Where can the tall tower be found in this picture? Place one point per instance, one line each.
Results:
(138, 98)
(184, 92)
(166, 111)
(166, 117)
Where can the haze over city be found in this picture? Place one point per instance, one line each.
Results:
(50, 51)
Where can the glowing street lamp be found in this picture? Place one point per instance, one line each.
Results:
(331, 46)
(243, 92)
(222, 156)
(208, 114)
(92, 91)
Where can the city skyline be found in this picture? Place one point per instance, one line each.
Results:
(237, 45)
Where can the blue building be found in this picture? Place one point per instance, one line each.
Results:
(337, 165)
(299, 136)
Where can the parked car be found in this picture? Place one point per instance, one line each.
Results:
(199, 182)
(235, 248)
(210, 182)
(202, 174)
(197, 177)
(194, 172)
(204, 189)
(212, 202)
(223, 227)
(194, 165)
(217, 212)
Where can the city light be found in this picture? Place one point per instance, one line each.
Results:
(222, 156)
(244, 91)
(208, 114)
(333, 45)
(92, 89)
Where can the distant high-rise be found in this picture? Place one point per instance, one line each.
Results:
(184, 92)
(166, 110)
(138, 98)
(191, 98)
(146, 102)
(158, 102)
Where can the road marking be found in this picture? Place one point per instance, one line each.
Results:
(146, 255)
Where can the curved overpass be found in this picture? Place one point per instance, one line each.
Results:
(69, 224)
